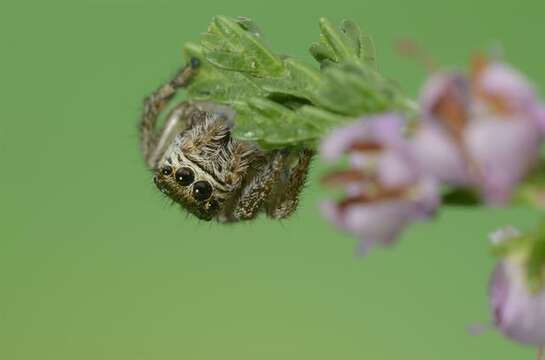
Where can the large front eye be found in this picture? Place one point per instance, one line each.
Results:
(185, 176)
(202, 190)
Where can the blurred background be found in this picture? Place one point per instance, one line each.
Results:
(96, 264)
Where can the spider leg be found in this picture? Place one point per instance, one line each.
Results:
(153, 105)
(259, 187)
(285, 197)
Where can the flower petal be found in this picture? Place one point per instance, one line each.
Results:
(499, 80)
(377, 222)
(451, 85)
(518, 313)
(396, 169)
(438, 155)
(504, 150)
(427, 198)
(383, 129)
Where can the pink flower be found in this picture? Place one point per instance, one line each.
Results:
(504, 151)
(444, 104)
(517, 312)
(384, 188)
(483, 132)
(503, 86)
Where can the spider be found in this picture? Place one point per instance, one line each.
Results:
(198, 164)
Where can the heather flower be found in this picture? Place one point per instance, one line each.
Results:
(504, 151)
(503, 87)
(385, 189)
(518, 310)
(438, 142)
(481, 131)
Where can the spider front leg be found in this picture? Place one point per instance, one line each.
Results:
(150, 144)
(285, 197)
(258, 189)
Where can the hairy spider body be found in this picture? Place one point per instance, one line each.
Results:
(198, 164)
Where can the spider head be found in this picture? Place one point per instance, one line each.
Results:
(194, 171)
(191, 186)
(204, 167)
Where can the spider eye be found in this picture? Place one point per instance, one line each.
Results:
(185, 176)
(166, 170)
(202, 190)
(212, 205)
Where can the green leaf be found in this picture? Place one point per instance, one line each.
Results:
(212, 83)
(531, 191)
(300, 81)
(250, 26)
(536, 260)
(281, 101)
(515, 244)
(274, 125)
(536, 265)
(344, 44)
(236, 45)
(353, 89)
(322, 53)
(530, 249)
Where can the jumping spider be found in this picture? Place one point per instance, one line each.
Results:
(199, 165)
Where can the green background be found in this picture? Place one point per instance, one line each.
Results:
(95, 263)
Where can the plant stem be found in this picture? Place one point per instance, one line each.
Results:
(540, 352)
